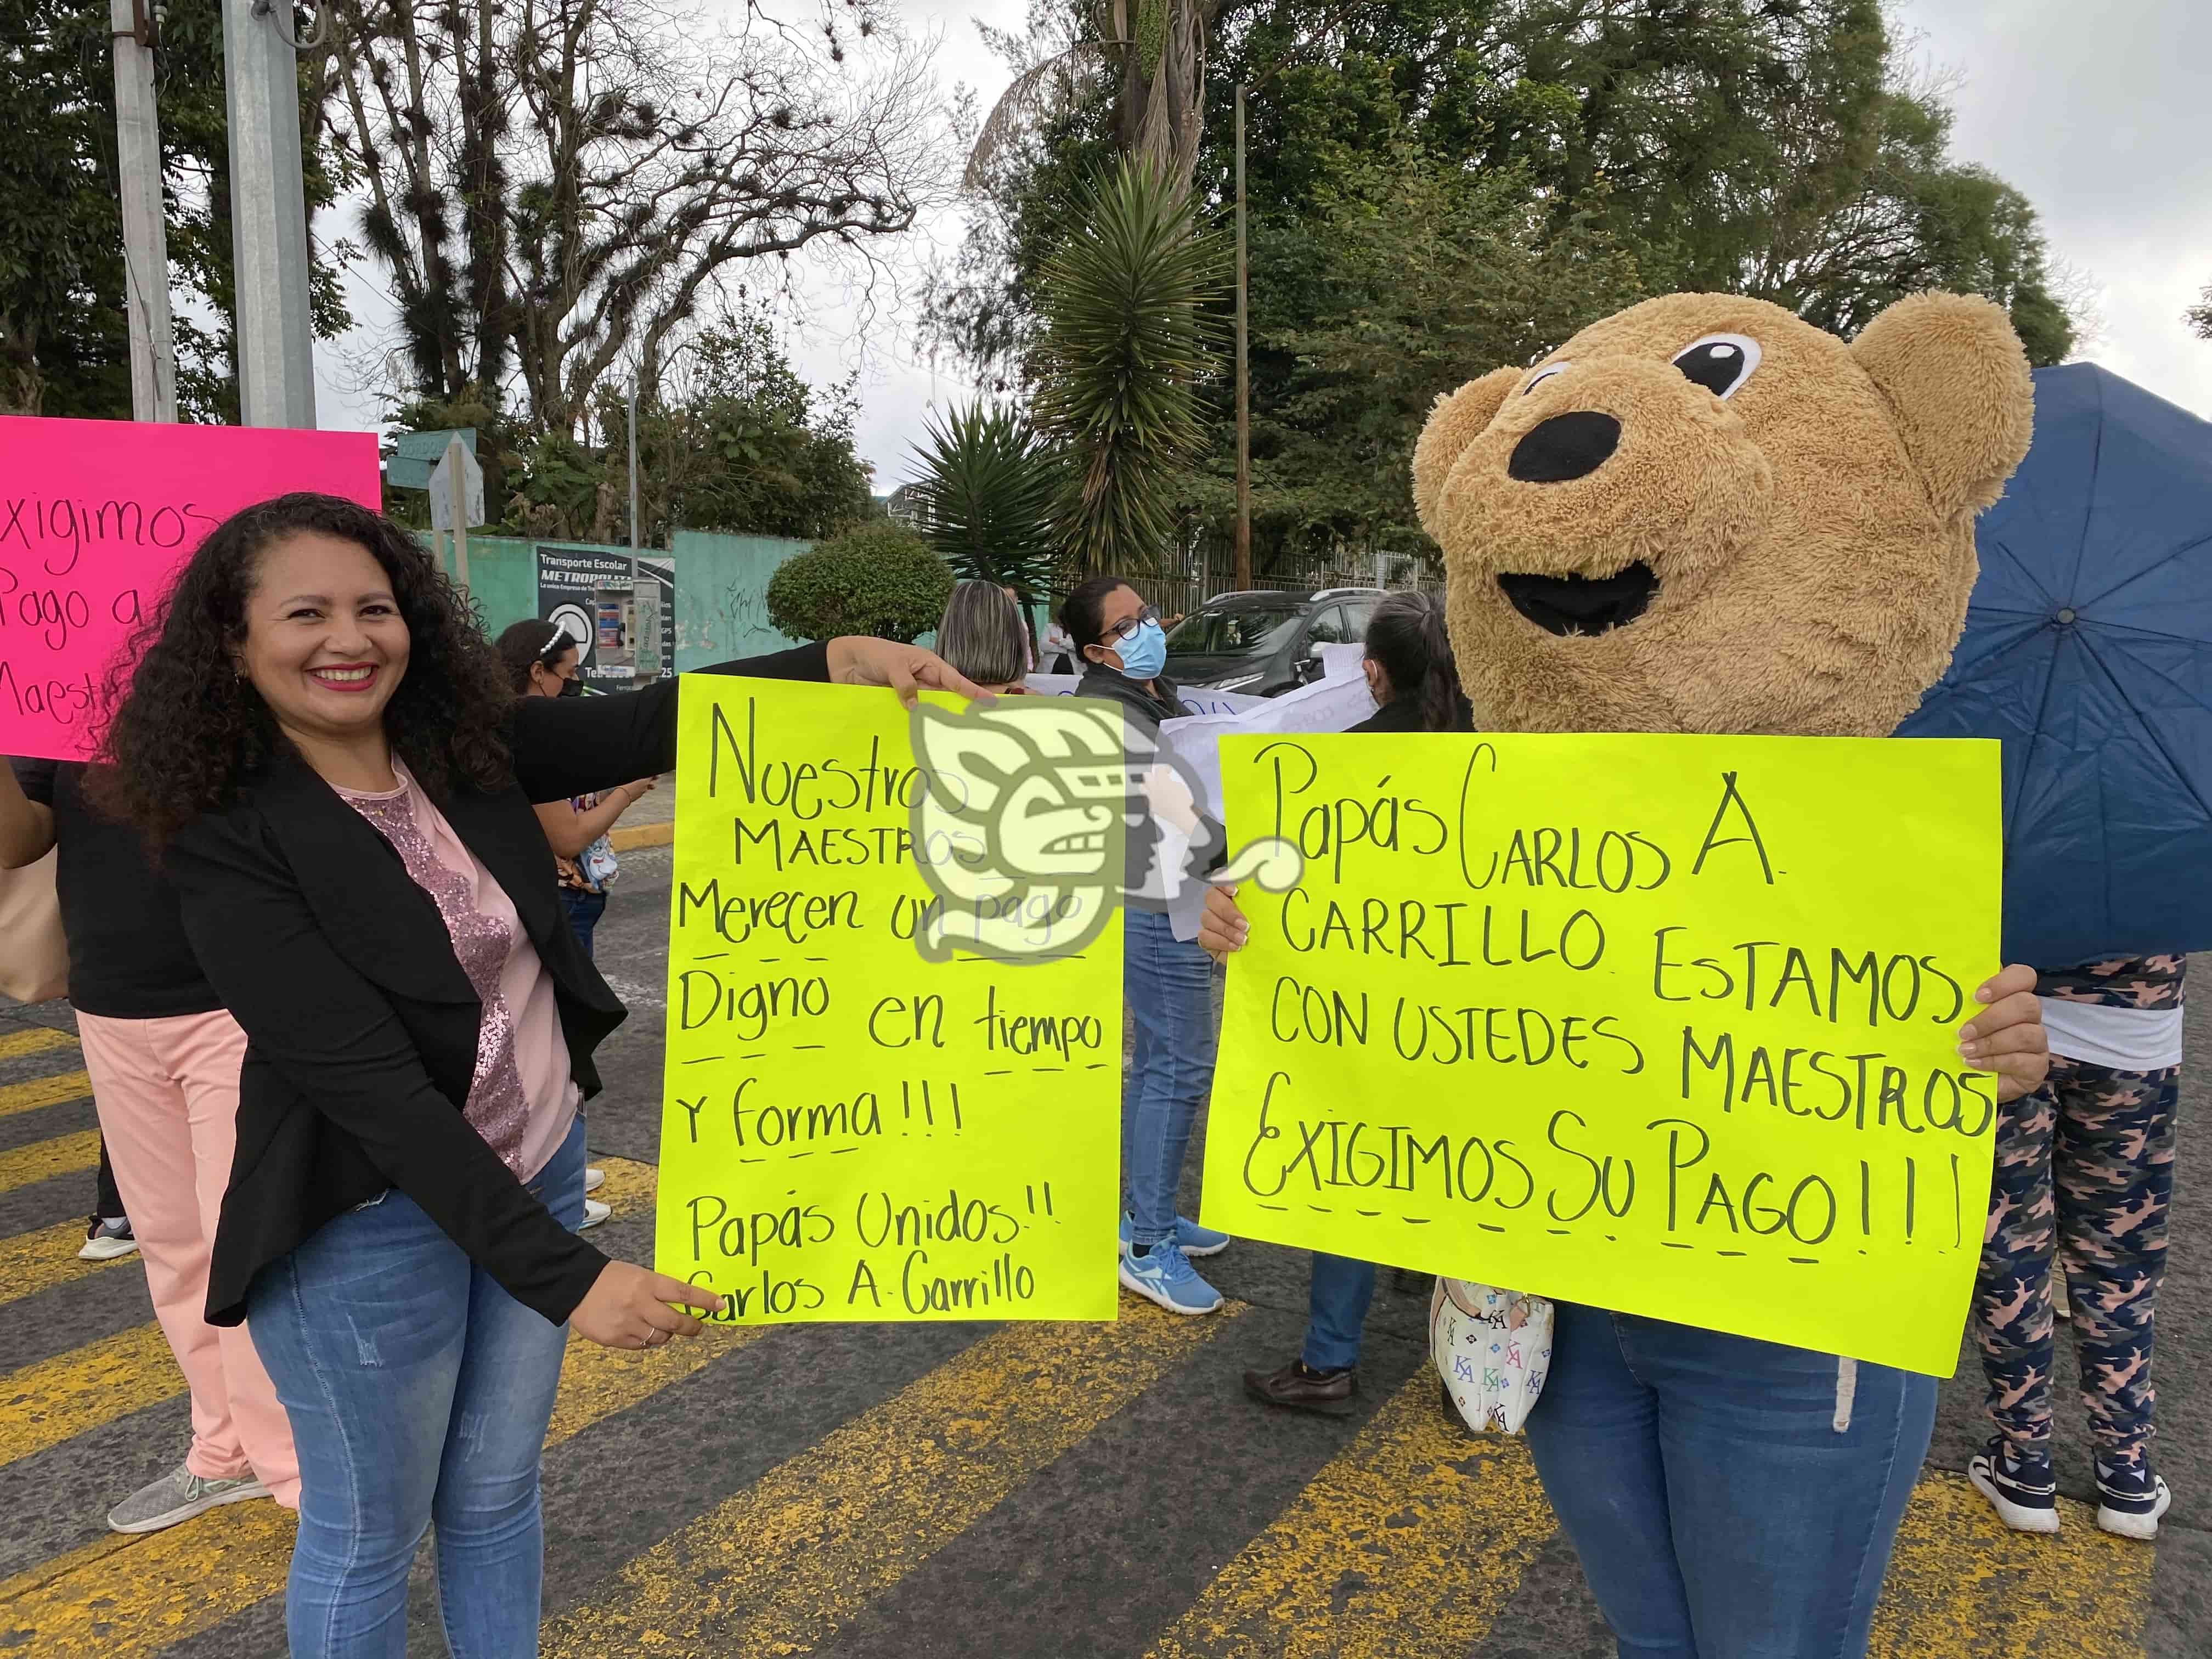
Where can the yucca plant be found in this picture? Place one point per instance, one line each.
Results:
(1125, 341)
(986, 498)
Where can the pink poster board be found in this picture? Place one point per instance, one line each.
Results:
(96, 519)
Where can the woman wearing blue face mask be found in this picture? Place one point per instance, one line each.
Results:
(1168, 982)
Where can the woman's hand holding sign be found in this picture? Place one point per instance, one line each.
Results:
(2006, 1038)
(630, 1307)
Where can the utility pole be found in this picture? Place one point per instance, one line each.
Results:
(133, 24)
(1243, 378)
(268, 213)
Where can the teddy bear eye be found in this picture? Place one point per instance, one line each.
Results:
(1719, 363)
(1542, 375)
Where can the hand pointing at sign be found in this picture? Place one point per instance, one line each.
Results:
(2007, 1037)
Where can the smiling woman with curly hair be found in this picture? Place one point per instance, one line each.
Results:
(192, 725)
(326, 755)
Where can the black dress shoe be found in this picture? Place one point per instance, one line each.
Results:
(1300, 1389)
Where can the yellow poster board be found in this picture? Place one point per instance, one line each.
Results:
(855, 1129)
(1656, 1024)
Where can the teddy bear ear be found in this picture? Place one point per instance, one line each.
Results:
(1958, 385)
(1457, 420)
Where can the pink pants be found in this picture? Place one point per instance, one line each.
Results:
(167, 1091)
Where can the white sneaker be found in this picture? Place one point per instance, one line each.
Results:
(594, 1214)
(104, 1241)
(594, 1179)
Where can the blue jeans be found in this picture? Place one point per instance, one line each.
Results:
(584, 910)
(1168, 985)
(419, 1392)
(1336, 1307)
(1730, 1499)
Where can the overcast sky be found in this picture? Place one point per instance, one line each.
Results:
(2097, 110)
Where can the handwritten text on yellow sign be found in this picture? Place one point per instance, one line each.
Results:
(1663, 1025)
(851, 1131)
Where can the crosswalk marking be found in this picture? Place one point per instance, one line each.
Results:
(42, 1160)
(33, 1040)
(172, 1585)
(54, 1400)
(784, 1563)
(1412, 1540)
(1959, 1575)
(43, 1091)
(1407, 1544)
(35, 1261)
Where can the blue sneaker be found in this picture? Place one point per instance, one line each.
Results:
(1163, 1274)
(1193, 1239)
(2129, 1500)
(2021, 1490)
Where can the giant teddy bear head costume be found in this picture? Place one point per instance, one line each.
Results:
(1704, 514)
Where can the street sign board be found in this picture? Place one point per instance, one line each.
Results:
(441, 491)
(419, 454)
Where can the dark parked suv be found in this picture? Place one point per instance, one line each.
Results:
(1264, 642)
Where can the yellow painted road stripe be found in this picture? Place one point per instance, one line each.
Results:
(33, 1040)
(1409, 1543)
(57, 1399)
(783, 1564)
(35, 1261)
(42, 1160)
(43, 1091)
(45, 1404)
(1959, 1577)
(172, 1585)
(59, 1566)
(629, 1189)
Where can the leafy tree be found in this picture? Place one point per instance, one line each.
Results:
(64, 336)
(1771, 147)
(1405, 278)
(2199, 316)
(733, 440)
(879, 579)
(987, 495)
(1125, 341)
(558, 188)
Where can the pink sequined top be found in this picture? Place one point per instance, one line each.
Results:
(522, 1099)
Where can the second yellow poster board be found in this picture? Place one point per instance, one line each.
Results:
(1662, 1024)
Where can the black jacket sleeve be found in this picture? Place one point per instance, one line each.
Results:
(330, 1034)
(566, 746)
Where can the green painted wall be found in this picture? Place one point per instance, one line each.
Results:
(721, 596)
(722, 590)
(503, 579)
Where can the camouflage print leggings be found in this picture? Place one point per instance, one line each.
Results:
(2084, 1164)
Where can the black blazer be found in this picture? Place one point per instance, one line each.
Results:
(361, 1024)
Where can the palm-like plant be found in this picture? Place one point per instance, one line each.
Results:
(986, 498)
(1125, 340)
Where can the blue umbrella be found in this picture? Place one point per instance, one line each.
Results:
(2088, 652)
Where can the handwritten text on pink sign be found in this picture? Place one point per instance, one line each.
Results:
(96, 519)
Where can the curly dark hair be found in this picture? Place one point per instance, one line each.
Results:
(188, 729)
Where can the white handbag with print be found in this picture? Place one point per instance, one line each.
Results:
(1492, 1348)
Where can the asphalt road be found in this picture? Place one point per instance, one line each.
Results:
(903, 1490)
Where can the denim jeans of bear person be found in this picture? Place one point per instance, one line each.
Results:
(1730, 1499)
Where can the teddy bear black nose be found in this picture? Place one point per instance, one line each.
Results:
(1572, 445)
